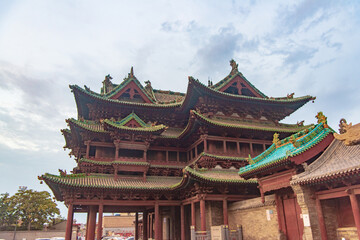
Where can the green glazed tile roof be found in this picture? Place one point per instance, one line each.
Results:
(218, 176)
(115, 101)
(89, 125)
(123, 84)
(129, 118)
(116, 125)
(222, 157)
(286, 149)
(287, 128)
(107, 181)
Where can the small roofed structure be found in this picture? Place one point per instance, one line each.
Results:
(335, 177)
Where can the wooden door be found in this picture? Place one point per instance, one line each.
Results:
(293, 222)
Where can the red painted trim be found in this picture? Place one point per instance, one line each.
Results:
(276, 181)
(337, 192)
(225, 212)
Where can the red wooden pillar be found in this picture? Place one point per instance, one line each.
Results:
(238, 147)
(193, 216)
(87, 222)
(251, 150)
(69, 222)
(202, 214)
(145, 225)
(92, 223)
(321, 219)
(355, 210)
(225, 212)
(157, 222)
(99, 229)
(224, 145)
(136, 226)
(205, 145)
(182, 219)
(87, 143)
(280, 213)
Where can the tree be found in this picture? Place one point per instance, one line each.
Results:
(8, 214)
(34, 208)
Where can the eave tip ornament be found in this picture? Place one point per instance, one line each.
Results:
(349, 134)
(276, 139)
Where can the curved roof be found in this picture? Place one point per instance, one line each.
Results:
(338, 161)
(279, 155)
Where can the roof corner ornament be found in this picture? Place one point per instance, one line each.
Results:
(290, 96)
(250, 160)
(349, 134)
(107, 85)
(344, 126)
(234, 66)
(322, 119)
(276, 139)
(301, 123)
(131, 74)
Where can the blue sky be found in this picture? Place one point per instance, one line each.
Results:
(306, 47)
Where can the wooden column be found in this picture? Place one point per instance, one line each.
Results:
(87, 143)
(193, 216)
(145, 225)
(205, 145)
(167, 156)
(251, 149)
(238, 147)
(92, 223)
(202, 214)
(150, 228)
(355, 210)
(280, 213)
(264, 147)
(182, 220)
(136, 226)
(196, 151)
(157, 222)
(69, 222)
(87, 223)
(145, 156)
(177, 156)
(225, 212)
(117, 147)
(224, 146)
(321, 219)
(100, 219)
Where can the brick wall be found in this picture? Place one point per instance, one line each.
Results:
(251, 214)
(330, 217)
(349, 233)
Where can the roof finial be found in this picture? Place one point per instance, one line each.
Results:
(132, 72)
(234, 66)
(322, 119)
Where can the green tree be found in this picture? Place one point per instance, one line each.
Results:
(34, 208)
(8, 214)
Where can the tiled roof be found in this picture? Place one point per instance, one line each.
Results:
(218, 176)
(274, 156)
(263, 126)
(116, 125)
(88, 125)
(107, 181)
(337, 161)
(168, 96)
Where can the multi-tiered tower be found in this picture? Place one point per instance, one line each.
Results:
(172, 156)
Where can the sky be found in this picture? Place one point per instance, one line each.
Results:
(306, 47)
